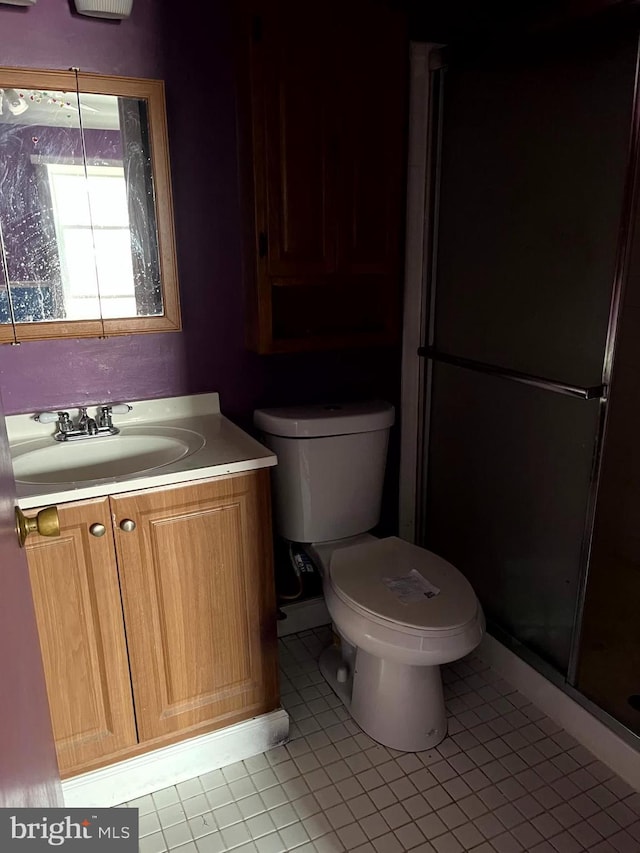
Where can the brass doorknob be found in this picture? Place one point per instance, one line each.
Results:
(127, 525)
(46, 523)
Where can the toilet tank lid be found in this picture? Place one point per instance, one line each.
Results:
(324, 419)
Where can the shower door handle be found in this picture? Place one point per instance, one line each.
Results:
(592, 392)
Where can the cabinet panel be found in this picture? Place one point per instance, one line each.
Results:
(198, 595)
(298, 184)
(372, 101)
(77, 602)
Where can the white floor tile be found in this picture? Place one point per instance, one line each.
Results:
(166, 797)
(179, 833)
(220, 796)
(153, 843)
(171, 815)
(143, 804)
(294, 835)
(190, 788)
(275, 796)
(211, 844)
(260, 825)
(227, 815)
(317, 826)
(235, 835)
(196, 805)
(212, 780)
(506, 780)
(270, 844)
(148, 824)
(202, 825)
(250, 806)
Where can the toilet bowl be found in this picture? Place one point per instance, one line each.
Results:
(398, 610)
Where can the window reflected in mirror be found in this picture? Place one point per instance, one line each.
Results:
(81, 224)
(89, 210)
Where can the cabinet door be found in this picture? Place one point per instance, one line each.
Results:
(295, 126)
(77, 602)
(199, 602)
(371, 99)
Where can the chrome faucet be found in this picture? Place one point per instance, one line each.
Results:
(86, 426)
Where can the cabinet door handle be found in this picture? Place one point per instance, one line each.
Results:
(97, 529)
(127, 525)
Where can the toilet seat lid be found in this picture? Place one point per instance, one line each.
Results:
(395, 580)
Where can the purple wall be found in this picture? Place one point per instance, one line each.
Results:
(194, 58)
(28, 766)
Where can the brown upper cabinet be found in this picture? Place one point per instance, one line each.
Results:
(87, 244)
(322, 100)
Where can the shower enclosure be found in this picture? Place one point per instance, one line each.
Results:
(530, 469)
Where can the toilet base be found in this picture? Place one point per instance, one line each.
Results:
(330, 661)
(397, 705)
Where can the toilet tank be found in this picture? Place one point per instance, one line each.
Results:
(330, 472)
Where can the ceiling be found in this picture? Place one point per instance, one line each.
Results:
(449, 21)
(60, 109)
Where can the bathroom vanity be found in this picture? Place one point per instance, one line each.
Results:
(156, 603)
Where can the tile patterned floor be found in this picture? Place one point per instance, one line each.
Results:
(506, 779)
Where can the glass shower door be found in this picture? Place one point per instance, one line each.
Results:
(510, 467)
(608, 663)
(531, 171)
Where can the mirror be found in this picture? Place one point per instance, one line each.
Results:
(86, 227)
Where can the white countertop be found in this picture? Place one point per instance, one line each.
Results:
(226, 449)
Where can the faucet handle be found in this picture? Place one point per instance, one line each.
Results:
(62, 420)
(104, 419)
(49, 417)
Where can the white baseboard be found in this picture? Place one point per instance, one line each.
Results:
(169, 765)
(303, 615)
(606, 745)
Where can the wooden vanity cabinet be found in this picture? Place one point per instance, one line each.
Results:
(322, 109)
(162, 628)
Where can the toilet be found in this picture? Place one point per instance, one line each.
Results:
(398, 610)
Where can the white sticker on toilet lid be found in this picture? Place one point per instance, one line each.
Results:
(411, 588)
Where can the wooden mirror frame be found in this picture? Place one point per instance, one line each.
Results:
(151, 91)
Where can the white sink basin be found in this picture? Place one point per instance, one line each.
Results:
(136, 450)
